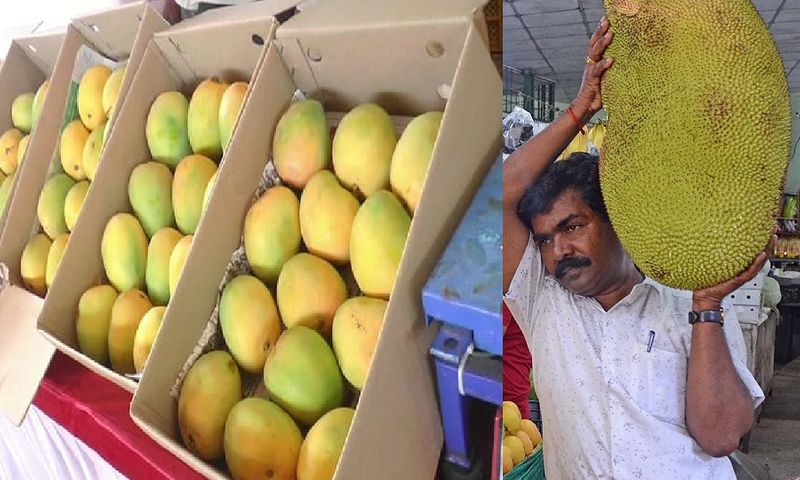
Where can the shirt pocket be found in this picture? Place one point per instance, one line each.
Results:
(665, 398)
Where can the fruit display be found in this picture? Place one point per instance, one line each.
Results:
(304, 299)
(701, 135)
(520, 437)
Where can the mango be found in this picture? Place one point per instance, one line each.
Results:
(511, 417)
(210, 390)
(377, 242)
(527, 444)
(111, 90)
(22, 148)
(38, 101)
(177, 260)
(204, 118)
(412, 157)
(159, 252)
(94, 320)
(54, 258)
(327, 212)
(323, 445)
(50, 209)
(74, 202)
(515, 445)
(167, 129)
(126, 314)
(362, 149)
(5, 189)
(124, 252)
(90, 96)
(249, 321)
(188, 189)
(150, 194)
(261, 441)
(73, 140)
(230, 107)
(145, 336)
(356, 328)
(33, 264)
(302, 376)
(208, 190)
(106, 130)
(9, 144)
(309, 292)
(22, 112)
(301, 146)
(531, 430)
(508, 463)
(91, 152)
(272, 232)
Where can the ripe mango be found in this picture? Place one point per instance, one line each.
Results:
(210, 390)
(261, 441)
(230, 107)
(302, 144)
(150, 194)
(91, 152)
(412, 157)
(208, 190)
(50, 209)
(272, 232)
(22, 147)
(515, 445)
(249, 321)
(508, 463)
(323, 445)
(167, 129)
(327, 212)
(159, 252)
(356, 328)
(302, 376)
(188, 188)
(362, 149)
(309, 292)
(73, 140)
(38, 101)
(204, 118)
(145, 336)
(511, 417)
(128, 310)
(9, 144)
(177, 260)
(5, 189)
(33, 264)
(22, 112)
(90, 96)
(54, 258)
(73, 203)
(124, 252)
(377, 242)
(94, 320)
(111, 90)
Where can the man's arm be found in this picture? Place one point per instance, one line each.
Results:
(719, 408)
(528, 163)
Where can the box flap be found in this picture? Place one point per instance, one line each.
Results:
(234, 15)
(112, 28)
(24, 353)
(42, 49)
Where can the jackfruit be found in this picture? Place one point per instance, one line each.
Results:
(697, 140)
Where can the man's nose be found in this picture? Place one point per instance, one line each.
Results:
(561, 248)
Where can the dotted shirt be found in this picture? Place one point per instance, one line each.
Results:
(610, 408)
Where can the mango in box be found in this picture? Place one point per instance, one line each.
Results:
(22, 112)
(272, 232)
(90, 96)
(74, 202)
(111, 91)
(230, 107)
(301, 145)
(33, 264)
(356, 328)
(22, 147)
(73, 141)
(209, 391)
(326, 213)
(50, 209)
(5, 189)
(124, 252)
(126, 314)
(323, 445)
(412, 157)
(54, 258)
(159, 251)
(150, 194)
(167, 129)
(309, 292)
(91, 152)
(145, 336)
(188, 189)
(203, 119)
(38, 101)
(94, 320)
(177, 260)
(9, 143)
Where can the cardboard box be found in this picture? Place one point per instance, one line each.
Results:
(121, 32)
(175, 59)
(409, 57)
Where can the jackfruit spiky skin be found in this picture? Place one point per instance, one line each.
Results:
(698, 136)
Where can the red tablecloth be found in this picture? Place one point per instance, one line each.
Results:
(96, 411)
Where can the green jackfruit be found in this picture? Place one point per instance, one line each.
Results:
(698, 135)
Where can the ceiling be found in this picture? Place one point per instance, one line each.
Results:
(551, 37)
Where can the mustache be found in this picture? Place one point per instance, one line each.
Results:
(570, 262)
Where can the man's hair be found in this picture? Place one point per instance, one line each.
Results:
(580, 172)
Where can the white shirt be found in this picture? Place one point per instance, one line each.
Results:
(610, 408)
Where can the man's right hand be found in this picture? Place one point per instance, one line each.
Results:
(589, 101)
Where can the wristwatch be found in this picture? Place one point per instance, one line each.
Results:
(710, 316)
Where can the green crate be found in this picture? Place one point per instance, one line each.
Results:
(532, 468)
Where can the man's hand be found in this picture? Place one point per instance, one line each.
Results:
(710, 298)
(589, 101)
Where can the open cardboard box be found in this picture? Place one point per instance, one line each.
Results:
(227, 43)
(409, 57)
(118, 33)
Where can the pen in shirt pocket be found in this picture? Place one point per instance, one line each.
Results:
(650, 341)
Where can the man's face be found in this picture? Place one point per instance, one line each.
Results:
(578, 248)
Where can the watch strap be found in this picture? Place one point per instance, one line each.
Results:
(707, 316)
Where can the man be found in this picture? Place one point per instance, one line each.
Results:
(627, 387)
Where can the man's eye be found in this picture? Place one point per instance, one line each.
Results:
(573, 228)
(544, 241)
